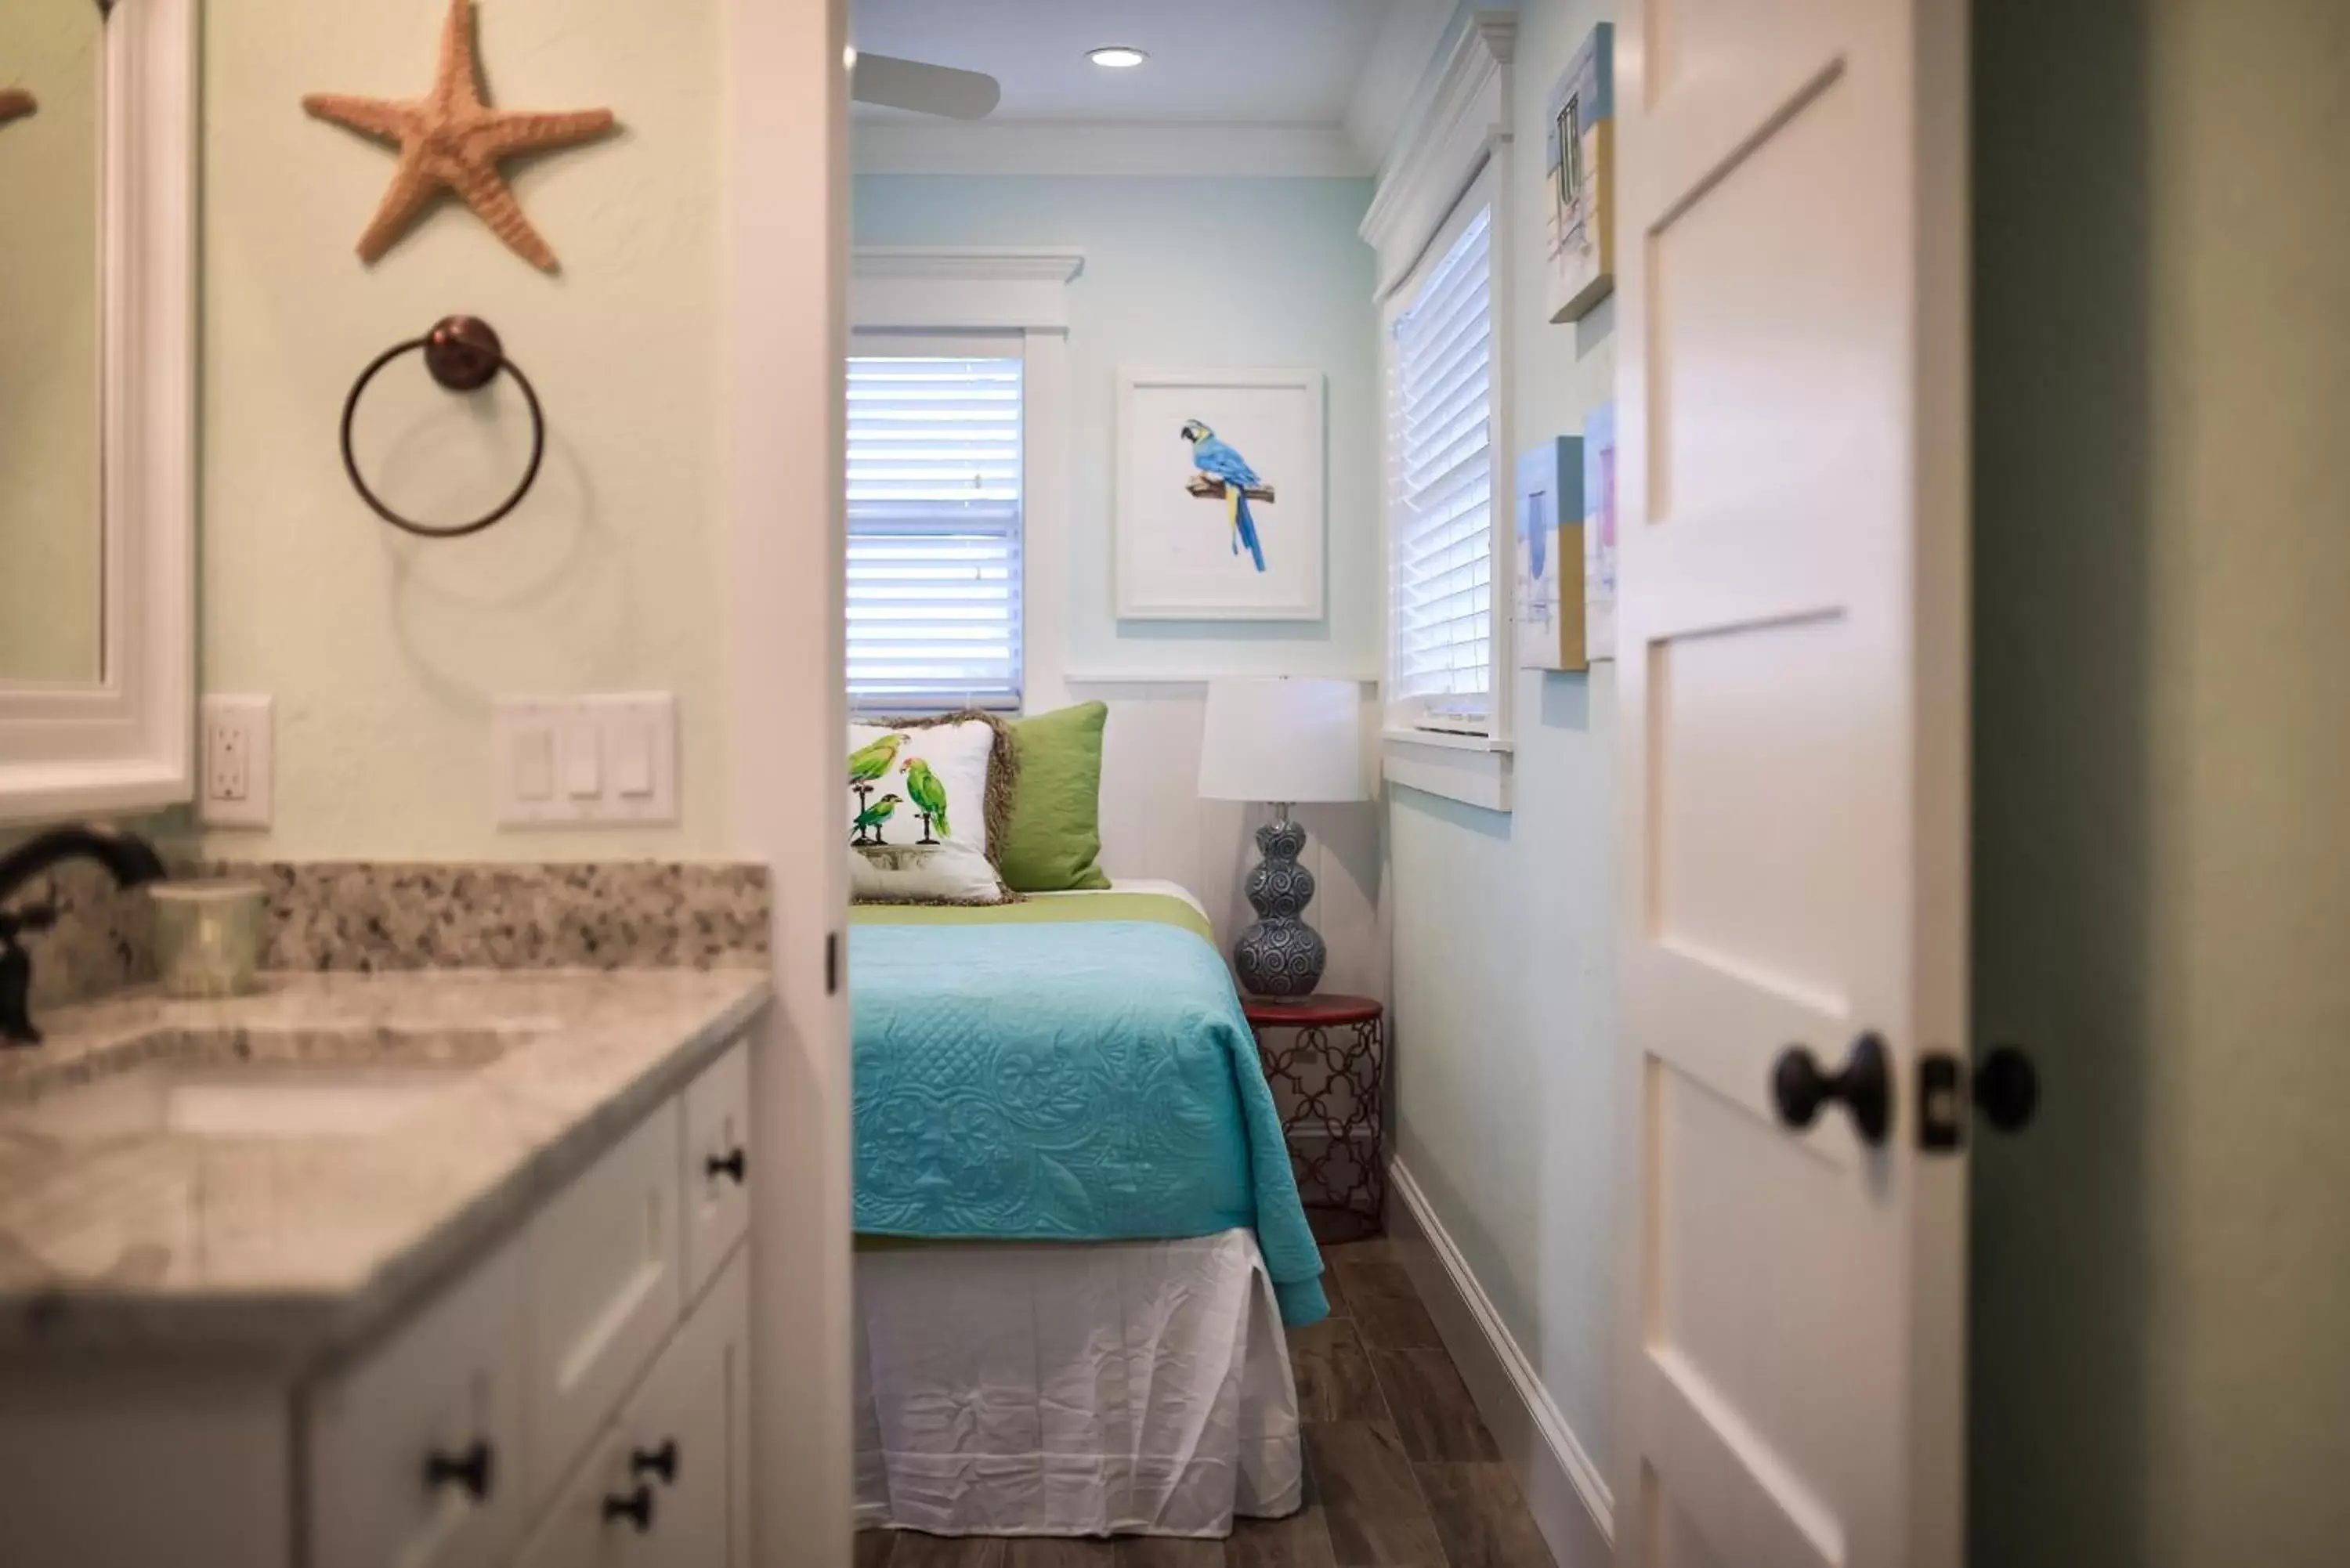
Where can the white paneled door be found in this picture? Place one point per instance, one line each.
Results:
(1794, 676)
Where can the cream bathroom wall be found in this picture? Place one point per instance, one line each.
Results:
(2161, 1357)
(49, 182)
(383, 651)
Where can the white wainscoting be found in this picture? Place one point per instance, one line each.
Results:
(1154, 824)
(1563, 1487)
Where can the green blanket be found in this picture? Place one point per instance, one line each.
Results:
(1048, 908)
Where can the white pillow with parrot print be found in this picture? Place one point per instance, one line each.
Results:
(918, 813)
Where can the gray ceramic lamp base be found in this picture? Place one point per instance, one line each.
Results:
(1280, 955)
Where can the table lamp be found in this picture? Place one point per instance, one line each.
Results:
(1284, 741)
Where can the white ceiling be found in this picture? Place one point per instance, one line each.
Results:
(1247, 62)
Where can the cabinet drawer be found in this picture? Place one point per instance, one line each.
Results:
(414, 1451)
(601, 1289)
(719, 1164)
(668, 1483)
(576, 1533)
(692, 1419)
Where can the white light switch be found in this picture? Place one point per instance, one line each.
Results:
(586, 760)
(583, 766)
(632, 756)
(534, 763)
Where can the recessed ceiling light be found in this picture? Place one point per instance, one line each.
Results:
(1116, 56)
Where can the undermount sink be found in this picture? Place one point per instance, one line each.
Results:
(310, 1085)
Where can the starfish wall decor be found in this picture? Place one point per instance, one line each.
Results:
(451, 139)
(15, 103)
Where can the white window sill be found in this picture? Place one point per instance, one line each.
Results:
(1472, 768)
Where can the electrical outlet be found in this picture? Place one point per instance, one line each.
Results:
(234, 790)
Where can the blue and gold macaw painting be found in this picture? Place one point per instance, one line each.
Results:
(1217, 461)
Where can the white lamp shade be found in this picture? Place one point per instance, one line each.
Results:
(1282, 740)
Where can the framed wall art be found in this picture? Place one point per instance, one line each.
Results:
(1599, 537)
(1579, 147)
(1551, 557)
(1219, 494)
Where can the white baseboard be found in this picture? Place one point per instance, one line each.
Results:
(1565, 1490)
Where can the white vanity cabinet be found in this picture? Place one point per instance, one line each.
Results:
(577, 1394)
(570, 1400)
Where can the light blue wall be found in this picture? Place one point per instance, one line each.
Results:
(1504, 966)
(1210, 273)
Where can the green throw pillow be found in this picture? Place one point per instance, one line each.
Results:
(1055, 834)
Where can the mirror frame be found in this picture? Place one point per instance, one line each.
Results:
(125, 741)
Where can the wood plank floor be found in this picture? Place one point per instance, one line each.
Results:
(1400, 1472)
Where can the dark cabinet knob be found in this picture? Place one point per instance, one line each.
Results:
(1864, 1086)
(468, 1469)
(635, 1507)
(660, 1463)
(730, 1163)
(2007, 1088)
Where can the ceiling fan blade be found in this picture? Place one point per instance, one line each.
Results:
(925, 89)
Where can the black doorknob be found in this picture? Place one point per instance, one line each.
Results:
(1864, 1085)
(636, 1506)
(469, 1469)
(730, 1163)
(660, 1463)
(2007, 1088)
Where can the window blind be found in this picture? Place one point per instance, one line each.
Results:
(1440, 567)
(934, 533)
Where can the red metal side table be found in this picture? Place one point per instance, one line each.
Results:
(1329, 1079)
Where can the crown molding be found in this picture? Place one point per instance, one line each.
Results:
(1442, 150)
(1402, 57)
(929, 289)
(1097, 148)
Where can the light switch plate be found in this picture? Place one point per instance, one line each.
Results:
(235, 767)
(604, 760)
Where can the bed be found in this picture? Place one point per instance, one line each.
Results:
(1078, 1234)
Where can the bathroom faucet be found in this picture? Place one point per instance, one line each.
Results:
(130, 859)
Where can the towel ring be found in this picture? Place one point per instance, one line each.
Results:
(463, 355)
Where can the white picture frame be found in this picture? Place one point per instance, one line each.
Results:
(1175, 545)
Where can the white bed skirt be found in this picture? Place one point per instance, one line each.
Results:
(1077, 1389)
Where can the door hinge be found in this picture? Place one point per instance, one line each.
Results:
(832, 963)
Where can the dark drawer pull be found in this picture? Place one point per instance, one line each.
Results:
(469, 1469)
(660, 1463)
(637, 1507)
(730, 1163)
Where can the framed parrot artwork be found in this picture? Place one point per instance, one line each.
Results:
(1219, 500)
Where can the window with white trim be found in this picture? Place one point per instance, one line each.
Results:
(934, 524)
(1441, 432)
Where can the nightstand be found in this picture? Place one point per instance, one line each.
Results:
(1325, 1058)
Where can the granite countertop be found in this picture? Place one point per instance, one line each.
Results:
(294, 1247)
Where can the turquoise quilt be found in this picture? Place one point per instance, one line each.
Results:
(1089, 1082)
